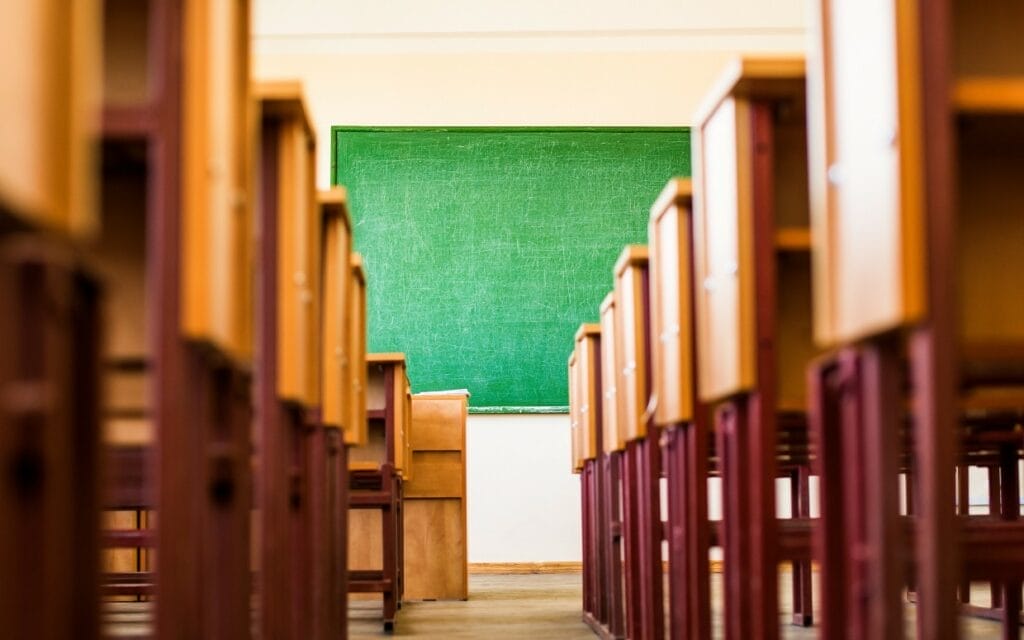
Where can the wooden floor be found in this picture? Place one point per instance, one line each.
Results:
(499, 606)
(548, 606)
(531, 607)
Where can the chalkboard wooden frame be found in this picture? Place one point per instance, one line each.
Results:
(603, 197)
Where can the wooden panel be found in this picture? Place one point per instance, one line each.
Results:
(356, 433)
(865, 171)
(671, 307)
(987, 38)
(991, 231)
(365, 545)
(126, 52)
(129, 431)
(119, 560)
(409, 428)
(790, 188)
(399, 394)
(435, 550)
(795, 344)
(613, 440)
(335, 280)
(127, 391)
(631, 289)
(439, 423)
(437, 474)
(435, 528)
(217, 213)
(576, 445)
(376, 392)
(298, 243)
(48, 107)
(372, 452)
(587, 361)
(120, 252)
(295, 294)
(725, 266)
(379, 397)
(312, 301)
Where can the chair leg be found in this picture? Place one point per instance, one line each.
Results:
(825, 421)
(613, 479)
(855, 402)
(1009, 499)
(994, 493)
(803, 615)
(388, 544)
(746, 454)
(963, 503)
(686, 456)
(650, 537)
(630, 541)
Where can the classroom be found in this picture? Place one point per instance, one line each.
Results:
(661, 320)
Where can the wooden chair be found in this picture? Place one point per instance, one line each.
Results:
(753, 310)
(175, 247)
(329, 451)
(51, 327)
(377, 470)
(642, 523)
(684, 423)
(288, 383)
(916, 150)
(585, 395)
(434, 500)
(613, 444)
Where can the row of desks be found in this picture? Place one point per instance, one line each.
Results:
(190, 322)
(832, 294)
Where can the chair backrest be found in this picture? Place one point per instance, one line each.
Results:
(671, 266)
(285, 116)
(588, 388)
(336, 284)
(632, 349)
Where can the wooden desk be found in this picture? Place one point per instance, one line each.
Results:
(176, 240)
(600, 563)
(574, 415)
(286, 122)
(336, 323)
(684, 422)
(753, 312)
(356, 433)
(47, 110)
(614, 439)
(434, 500)
(49, 442)
(642, 529)
(915, 213)
(327, 450)
(632, 351)
(288, 379)
(376, 544)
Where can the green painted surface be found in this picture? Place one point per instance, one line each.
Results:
(486, 248)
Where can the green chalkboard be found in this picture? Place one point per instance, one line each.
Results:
(485, 248)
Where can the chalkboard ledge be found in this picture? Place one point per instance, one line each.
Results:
(511, 410)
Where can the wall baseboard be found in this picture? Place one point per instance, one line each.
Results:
(521, 568)
(525, 568)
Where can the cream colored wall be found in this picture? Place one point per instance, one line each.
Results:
(530, 62)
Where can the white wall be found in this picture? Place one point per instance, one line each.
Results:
(524, 504)
(530, 62)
